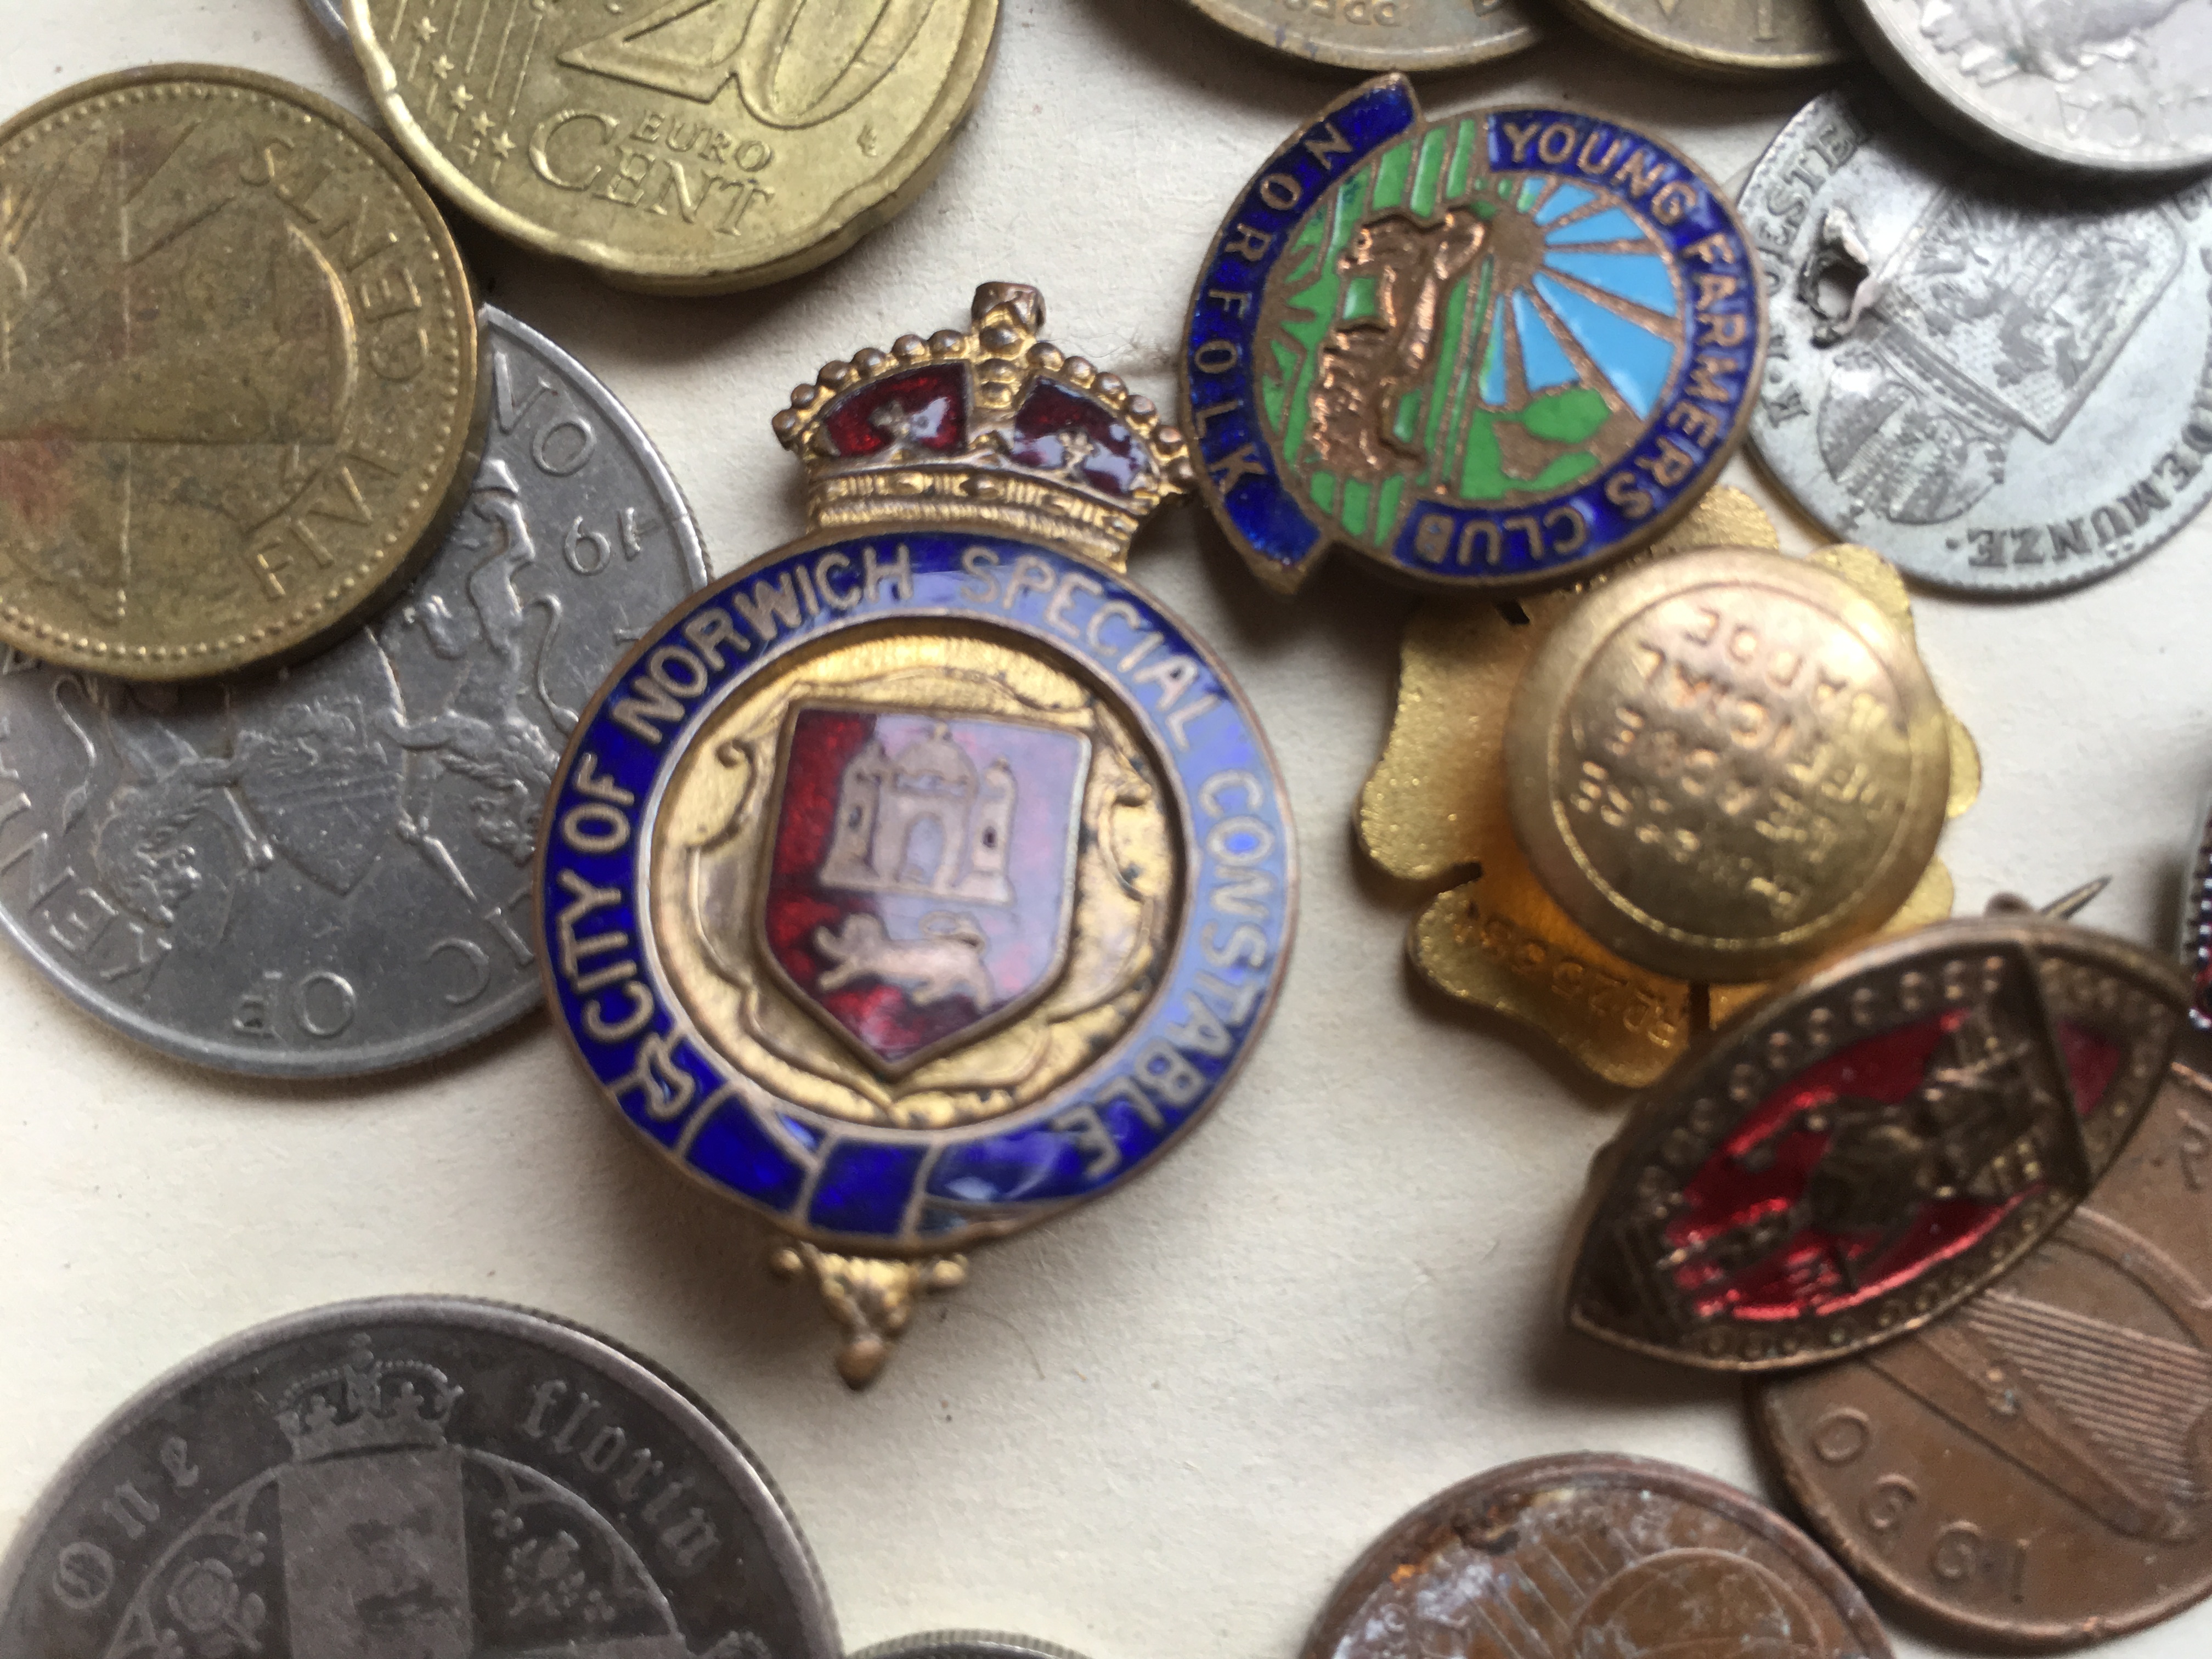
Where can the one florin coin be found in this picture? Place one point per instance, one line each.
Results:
(419, 1475)
(690, 146)
(1562, 1558)
(238, 373)
(1733, 40)
(2116, 88)
(1384, 34)
(2005, 388)
(1489, 352)
(1722, 763)
(1872, 1143)
(2029, 1471)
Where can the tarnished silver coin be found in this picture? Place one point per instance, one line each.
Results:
(2002, 388)
(325, 870)
(965, 1644)
(1384, 34)
(416, 1478)
(2114, 86)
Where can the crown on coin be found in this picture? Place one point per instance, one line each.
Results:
(993, 425)
(365, 1404)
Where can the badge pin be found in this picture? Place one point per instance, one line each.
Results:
(1874, 1143)
(924, 878)
(1659, 789)
(1490, 353)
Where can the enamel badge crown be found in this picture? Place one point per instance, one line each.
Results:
(924, 877)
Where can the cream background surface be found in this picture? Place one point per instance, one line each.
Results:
(1160, 1428)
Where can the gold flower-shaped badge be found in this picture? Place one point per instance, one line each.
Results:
(1670, 786)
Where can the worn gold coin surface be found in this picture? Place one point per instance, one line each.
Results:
(1723, 763)
(1733, 38)
(687, 146)
(237, 371)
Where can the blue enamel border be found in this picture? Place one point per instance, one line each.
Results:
(846, 1184)
(1629, 502)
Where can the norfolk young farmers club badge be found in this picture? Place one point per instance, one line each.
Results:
(926, 877)
(1489, 352)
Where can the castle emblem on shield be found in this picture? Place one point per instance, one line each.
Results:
(919, 886)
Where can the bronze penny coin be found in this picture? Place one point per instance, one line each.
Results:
(2036, 1468)
(1591, 1554)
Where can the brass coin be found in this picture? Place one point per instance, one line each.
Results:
(1722, 763)
(238, 373)
(681, 146)
(2030, 1469)
(1733, 40)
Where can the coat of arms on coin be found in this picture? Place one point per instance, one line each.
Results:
(1872, 1143)
(924, 878)
(413, 1478)
(683, 146)
(1489, 352)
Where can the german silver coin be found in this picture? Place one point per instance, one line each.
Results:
(325, 870)
(1383, 34)
(965, 1644)
(422, 1477)
(2113, 86)
(2005, 389)
(1595, 1557)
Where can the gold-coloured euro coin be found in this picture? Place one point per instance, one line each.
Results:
(238, 373)
(1731, 39)
(1721, 763)
(681, 146)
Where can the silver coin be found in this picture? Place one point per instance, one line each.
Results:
(325, 870)
(331, 13)
(965, 1644)
(419, 1476)
(2110, 86)
(2003, 390)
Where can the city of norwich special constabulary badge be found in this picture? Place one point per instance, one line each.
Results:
(1490, 352)
(924, 878)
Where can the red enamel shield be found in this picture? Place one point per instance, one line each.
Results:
(921, 882)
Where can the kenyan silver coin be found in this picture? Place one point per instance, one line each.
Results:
(2109, 86)
(331, 13)
(324, 870)
(965, 1644)
(418, 1477)
(2002, 388)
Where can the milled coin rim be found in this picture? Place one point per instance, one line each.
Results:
(842, 222)
(1592, 1471)
(678, 1403)
(965, 1644)
(1535, 728)
(1303, 49)
(423, 533)
(2013, 145)
(1712, 64)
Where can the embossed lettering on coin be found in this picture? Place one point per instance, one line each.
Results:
(326, 870)
(2032, 1467)
(2005, 389)
(1723, 763)
(412, 1478)
(1568, 1557)
(238, 373)
(687, 145)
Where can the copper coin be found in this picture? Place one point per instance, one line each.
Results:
(1590, 1554)
(2036, 1468)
